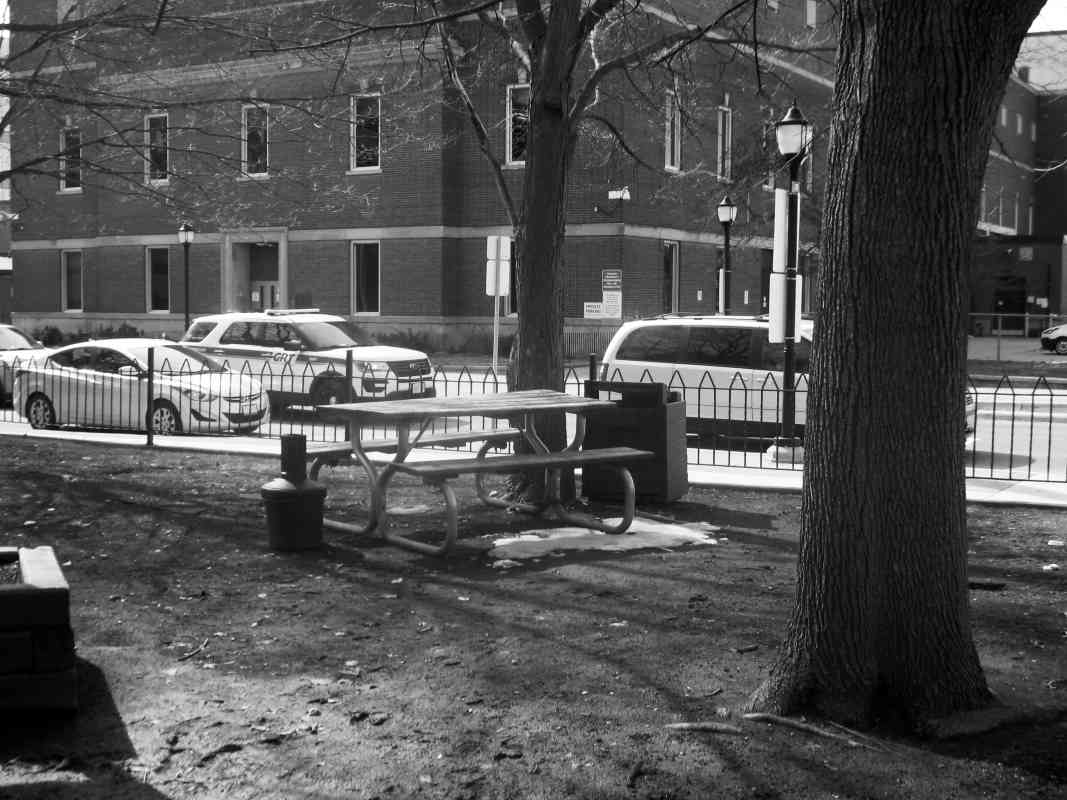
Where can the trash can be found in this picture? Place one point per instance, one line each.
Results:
(294, 502)
(648, 417)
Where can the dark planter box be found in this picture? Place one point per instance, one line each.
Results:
(37, 667)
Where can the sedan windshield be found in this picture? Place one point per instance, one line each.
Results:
(327, 335)
(14, 339)
(176, 360)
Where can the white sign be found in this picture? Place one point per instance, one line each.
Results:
(776, 323)
(612, 304)
(498, 266)
(592, 310)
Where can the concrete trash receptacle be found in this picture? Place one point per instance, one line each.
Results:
(648, 417)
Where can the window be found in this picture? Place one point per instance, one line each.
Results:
(771, 357)
(719, 347)
(1019, 123)
(255, 144)
(70, 160)
(366, 278)
(366, 132)
(672, 137)
(660, 343)
(157, 263)
(811, 13)
(1015, 214)
(670, 276)
(72, 280)
(726, 142)
(157, 148)
(1003, 117)
(1030, 219)
(772, 5)
(1033, 131)
(518, 123)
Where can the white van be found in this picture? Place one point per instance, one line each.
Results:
(725, 368)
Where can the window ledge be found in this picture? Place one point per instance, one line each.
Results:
(253, 176)
(69, 191)
(364, 171)
(515, 165)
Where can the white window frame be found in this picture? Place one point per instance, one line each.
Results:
(63, 254)
(724, 155)
(672, 131)
(1030, 219)
(353, 266)
(509, 140)
(1033, 131)
(63, 188)
(148, 281)
(1003, 117)
(353, 129)
(244, 139)
(676, 258)
(772, 5)
(811, 13)
(1018, 123)
(148, 148)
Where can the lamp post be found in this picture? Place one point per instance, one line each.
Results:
(793, 133)
(727, 212)
(186, 233)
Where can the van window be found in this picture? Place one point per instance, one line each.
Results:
(772, 356)
(720, 347)
(662, 343)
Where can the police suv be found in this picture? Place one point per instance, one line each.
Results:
(301, 356)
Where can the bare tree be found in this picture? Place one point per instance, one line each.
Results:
(880, 631)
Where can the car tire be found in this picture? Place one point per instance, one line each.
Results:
(328, 392)
(40, 411)
(1059, 347)
(165, 418)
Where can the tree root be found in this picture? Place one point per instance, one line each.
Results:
(709, 727)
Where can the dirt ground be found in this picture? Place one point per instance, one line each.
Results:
(214, 667)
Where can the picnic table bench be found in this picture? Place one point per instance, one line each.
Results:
(413, 419)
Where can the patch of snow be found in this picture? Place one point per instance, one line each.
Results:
(642, 535)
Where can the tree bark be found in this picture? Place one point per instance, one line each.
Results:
(880, 631)
(537, 352)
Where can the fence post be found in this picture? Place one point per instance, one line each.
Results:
(151, 392)
(348, 387)
(592, 366)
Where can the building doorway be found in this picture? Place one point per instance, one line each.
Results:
(255, 276)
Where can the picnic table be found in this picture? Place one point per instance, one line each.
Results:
(414, 423)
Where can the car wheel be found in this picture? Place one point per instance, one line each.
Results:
(1060, 346)
(165, 418)
(328, 392)
(40, 411)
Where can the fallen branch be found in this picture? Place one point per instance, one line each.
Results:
(192, 653)
(804, 726)
(710, 727)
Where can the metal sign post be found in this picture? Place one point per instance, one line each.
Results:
(497, 281)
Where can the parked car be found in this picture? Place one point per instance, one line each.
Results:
(299, 355)
(726, 369)
(1054, 339)
(105, 384)
(17, 349)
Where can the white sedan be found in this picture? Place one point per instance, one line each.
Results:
(107, 384)
(17, 349)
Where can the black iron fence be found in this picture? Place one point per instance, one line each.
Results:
(1018, 427)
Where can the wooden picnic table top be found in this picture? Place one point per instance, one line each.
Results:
(499, 404)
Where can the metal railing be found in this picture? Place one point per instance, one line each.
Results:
(1018, 424)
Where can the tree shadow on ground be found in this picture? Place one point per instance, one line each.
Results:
(1036, 748)
(81, 747)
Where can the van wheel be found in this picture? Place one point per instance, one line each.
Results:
(165, 418)
(328, 392)
(1061, 347)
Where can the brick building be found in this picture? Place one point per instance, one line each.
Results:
(337, 179)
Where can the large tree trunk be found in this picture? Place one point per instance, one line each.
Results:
(881, 631)
(537, 353)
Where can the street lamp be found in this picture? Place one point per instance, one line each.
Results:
(793, 133)
(727, 212)
(186, 233)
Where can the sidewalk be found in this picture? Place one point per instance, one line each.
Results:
(1046, 494)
